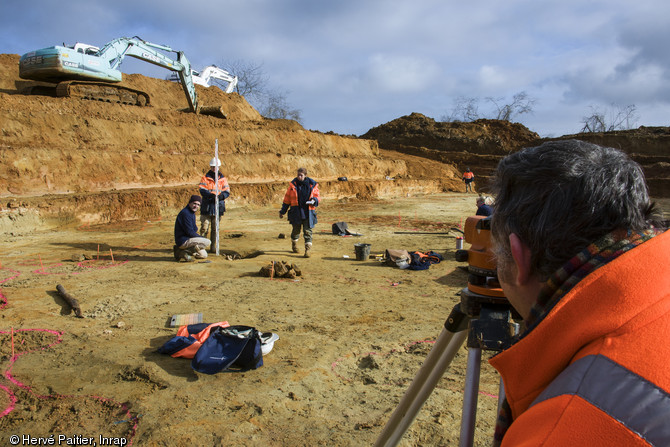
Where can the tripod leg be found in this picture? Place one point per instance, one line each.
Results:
(469, 416)
(501, 395)
(432, 370)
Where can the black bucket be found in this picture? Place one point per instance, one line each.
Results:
(362, 251)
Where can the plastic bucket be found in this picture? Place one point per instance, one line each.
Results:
(362, 251)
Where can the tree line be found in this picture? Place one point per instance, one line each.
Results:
(467, 109)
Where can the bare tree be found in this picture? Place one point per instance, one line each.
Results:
(465, 109)
(254, 85)
(521, 103)
(613, 118)
(277, 107)
(251, 79)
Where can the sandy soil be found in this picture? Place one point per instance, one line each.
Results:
(352, 333)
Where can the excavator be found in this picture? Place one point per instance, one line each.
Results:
(209, 74)
(89, 72)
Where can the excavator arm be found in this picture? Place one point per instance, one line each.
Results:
(84, 71)
(116, 50)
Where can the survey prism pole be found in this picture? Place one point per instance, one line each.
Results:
(216, 199)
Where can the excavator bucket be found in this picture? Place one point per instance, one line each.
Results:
(216, 111)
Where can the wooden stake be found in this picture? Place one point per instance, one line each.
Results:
(12, 342)
(98, 257)
(41, 265)
(112, 255)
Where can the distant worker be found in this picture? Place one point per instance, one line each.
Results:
(468, 178)
(208, 191)
(188, 243)
(302, 196)
(583, 257)
(484, 206)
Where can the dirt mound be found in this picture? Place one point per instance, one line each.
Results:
(483, 136)
(480, 145)
(70, 159)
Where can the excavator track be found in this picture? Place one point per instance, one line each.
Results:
(101, 91)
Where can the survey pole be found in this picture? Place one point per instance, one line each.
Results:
(216, 199)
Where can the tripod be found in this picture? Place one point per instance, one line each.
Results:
(487, 323)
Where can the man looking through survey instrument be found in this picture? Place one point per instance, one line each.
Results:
(583, 258)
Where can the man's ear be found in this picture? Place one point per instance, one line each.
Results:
(522, 256)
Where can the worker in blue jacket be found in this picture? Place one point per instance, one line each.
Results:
(188, 243)
(484, 206)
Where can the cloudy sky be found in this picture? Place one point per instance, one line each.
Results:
(350, 65)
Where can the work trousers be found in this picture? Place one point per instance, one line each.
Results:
(306, 231)
(197, 246)
(207, 224)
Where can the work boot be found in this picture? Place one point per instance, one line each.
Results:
(175, 252)
(185, 257)
(308, 249)
(294, 246)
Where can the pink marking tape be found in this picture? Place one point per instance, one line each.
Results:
(12, 397)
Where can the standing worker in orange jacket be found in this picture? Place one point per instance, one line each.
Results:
(208, 188)
(587, 266)
(468, 178)
(302, 196)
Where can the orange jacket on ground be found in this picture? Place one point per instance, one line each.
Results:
(596, 370)
(198, 339)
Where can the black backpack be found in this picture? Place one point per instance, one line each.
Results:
(340, 228)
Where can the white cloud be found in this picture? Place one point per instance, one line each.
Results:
(351, 64)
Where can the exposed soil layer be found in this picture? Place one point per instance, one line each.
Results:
(72, 160)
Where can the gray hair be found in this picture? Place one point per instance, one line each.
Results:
(561, 196)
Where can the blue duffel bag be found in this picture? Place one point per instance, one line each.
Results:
(229, 348)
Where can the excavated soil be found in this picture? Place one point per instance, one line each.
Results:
(480, 145)
(89, 192)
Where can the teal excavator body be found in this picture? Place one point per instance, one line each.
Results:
(85, 70)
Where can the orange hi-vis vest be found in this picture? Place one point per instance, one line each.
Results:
(291, 196)
(468, 175)
(596, 370)
(208, 184)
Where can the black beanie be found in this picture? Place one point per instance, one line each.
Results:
(195, 198)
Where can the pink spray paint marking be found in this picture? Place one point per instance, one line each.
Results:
(12, 397)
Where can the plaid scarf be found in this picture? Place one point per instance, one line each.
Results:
(596, 255)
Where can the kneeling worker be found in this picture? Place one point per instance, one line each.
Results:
(303, 197)
(188, 242)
